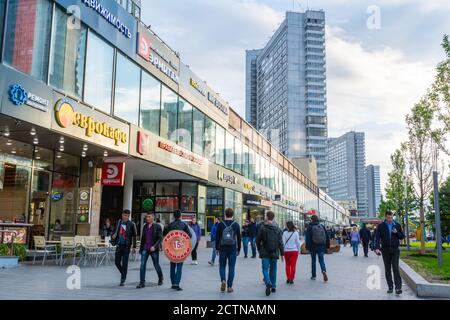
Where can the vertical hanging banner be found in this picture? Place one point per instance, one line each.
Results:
(113, 174)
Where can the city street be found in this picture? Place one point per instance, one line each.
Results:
(347, 280)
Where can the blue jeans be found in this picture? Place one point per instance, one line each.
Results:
(355, 245)
(230, 255)
(245, 241)
(176, 270)
(253, 243)
(269, 270)
(319, 252)
(155, 259)
(213, 256)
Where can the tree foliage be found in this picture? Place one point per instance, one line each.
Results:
(444, 206)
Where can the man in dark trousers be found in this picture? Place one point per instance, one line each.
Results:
(253, 233)
(387, 242)
(125, 237)
(269, 241)
(365, 236)
(151, 240)
(317, 242)
(176, 269)
(228, 246)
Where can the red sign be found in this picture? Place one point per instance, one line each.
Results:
(144, 47)
(142, 143)
(113, 174)
(180, 152)
(177, 246)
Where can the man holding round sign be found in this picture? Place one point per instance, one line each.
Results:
(177, 246)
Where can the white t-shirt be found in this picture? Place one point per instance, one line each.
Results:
(294, 242)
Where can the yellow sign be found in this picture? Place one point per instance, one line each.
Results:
(66, 116)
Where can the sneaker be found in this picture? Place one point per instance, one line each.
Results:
(160, 282)
(325, 277)
(211, 263)
(288, 281)
(390, 290)
(253, 257)
(398, 291)
(140, 286)
(223, 286)
(196, 263)
(268, 290)
(274, 290)
(313, 278)
(230, 290)
(292, 281)
(245, 257)
(122, 283)
(179, 289)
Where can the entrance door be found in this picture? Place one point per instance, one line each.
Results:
(112, 204)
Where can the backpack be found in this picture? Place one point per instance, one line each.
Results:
(270, 240)
(228, 235)
(318, 235)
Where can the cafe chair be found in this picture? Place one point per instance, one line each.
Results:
(42, 248)
(68, 248)
(92, 251)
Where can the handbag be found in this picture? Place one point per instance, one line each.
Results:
(112, 241)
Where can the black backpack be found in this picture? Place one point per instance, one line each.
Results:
(228, 235)
(270, 240)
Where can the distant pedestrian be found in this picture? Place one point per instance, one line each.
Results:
(176, 269)
(387, 242)
(269, 241)
(213, 240)
(317, 242)
(151, 240)
(344, 237)
(158, 221)
(253, 233)
(125, 238)
(228, 246)
(198, 232)
(246, 237)
(365, 236)
(107, 229)
(291, 242)
(355, 240)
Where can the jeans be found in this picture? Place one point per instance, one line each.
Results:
(355, 245)
(269, 269)
(176, 270)
(155, 259)
(245, 242)
(213, 255)
(391, 259)
(320, 253)
(227, 255)
(194, 252)
(253, 243)
(291, 264)
(122, 256)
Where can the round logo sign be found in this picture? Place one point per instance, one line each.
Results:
(64, 113)
(177, 246)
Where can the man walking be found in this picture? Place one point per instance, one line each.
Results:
(246, 237)
(253, 233)
(213, 240)
(365, 236)
(228, 246)
(151, 240)
(198, 233)
(125, 237)
(176, 269)
(387, 241)
(269, 241)
(317, 241)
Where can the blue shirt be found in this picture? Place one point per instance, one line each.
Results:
(390, 226)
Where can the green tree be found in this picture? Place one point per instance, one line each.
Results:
(385, 205)
(444, 206)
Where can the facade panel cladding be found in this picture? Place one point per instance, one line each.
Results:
(373, 190)
(117, 85)
(286, 89)
(2, 21)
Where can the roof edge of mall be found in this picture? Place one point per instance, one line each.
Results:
(102, 115)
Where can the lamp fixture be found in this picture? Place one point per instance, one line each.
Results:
(105, 154)
(33, 131)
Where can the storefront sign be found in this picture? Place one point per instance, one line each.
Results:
(113, 174)
(177, 246)
(196, 85)
(249, 186)
(145, 51)
(66, 116)
(226, 177)
(108, 16)
(19, 96)
(256, 201)
(219, 105)
(180, 152)
(84, 205)
(142, 143)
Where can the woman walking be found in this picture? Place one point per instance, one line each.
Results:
(355, 239)
(291, 241)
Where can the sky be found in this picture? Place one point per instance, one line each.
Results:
(381, 55)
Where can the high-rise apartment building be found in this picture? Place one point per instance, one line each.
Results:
(373, 189)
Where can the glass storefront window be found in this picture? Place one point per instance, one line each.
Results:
(245, 161)
(220, 145)
(189, 192)
(66, 163)
(128, 78)
(43, 158)
(169, 108)
(238, 155)
(167, 188)
(198, 132)
(184, 131)
(27, 36)
(99, 71)
(251, 164)
(210, 140)
(2, 20)
(67, 54)
(150, 103)
(229, 151)
(166, 204)
(214, 201)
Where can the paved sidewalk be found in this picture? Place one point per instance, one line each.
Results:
(347, 280)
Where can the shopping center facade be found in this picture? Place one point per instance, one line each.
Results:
(98, 114)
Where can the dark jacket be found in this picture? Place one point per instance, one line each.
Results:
(253, 229)
(269, 236)
(197, 230)
(310, 245)
(178, 224)
(385, 241)
(365, 235)
(237, 231)
(246, 230)
(157, 236)
(131, 233)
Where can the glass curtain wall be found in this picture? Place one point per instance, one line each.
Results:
(150, 103)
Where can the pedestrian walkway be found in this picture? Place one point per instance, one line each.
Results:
(347, 280)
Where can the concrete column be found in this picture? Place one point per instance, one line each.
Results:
(128, 190)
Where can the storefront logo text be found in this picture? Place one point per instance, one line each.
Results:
(226, 177)
(194, 84)
(108, 16)
(178, 151)
(19, 96)
(217, 103)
